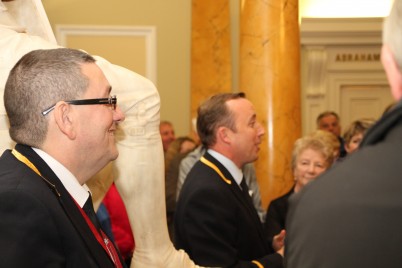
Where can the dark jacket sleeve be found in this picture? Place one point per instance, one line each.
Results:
(275, 219)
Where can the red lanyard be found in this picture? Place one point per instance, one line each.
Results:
(104, 240)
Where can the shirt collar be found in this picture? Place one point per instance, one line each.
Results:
(79, 192)
(236, 173)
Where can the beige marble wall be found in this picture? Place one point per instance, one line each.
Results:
(270, 76)
(210, 50)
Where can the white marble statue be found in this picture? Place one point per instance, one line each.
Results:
(138, 172)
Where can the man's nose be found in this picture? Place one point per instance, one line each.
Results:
(118, 115)
(311, 168)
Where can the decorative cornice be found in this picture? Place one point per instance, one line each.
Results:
(341, 31)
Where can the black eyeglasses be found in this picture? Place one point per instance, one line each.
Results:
(112, 101)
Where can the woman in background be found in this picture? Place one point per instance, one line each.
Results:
(177, 150)
(311, 156)
(355, 132)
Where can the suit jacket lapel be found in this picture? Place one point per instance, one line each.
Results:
(68, 205)
(237, 192)
(234, 187)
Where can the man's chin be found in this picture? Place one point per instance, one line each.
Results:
(256, 157)
(252, 160)
(114, 154)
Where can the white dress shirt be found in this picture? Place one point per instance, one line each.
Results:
(79, 192)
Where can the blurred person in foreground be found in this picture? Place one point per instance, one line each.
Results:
(351, 217)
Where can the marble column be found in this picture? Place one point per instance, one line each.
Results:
(210, 50)
(270, 76)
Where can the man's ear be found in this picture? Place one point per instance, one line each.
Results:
(224, 134)
(64, 119)
(393, 72)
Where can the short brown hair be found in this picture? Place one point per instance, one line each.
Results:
(214, 113)
(325, 114)
(38, 80)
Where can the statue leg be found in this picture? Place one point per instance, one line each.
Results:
(139, 170)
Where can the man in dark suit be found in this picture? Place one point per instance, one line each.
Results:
(63, 120)
(215, 221)
(352, 215)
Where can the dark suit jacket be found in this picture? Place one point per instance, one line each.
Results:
(215, 225)
(352, 215)
(275, 220)
(39, 228)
